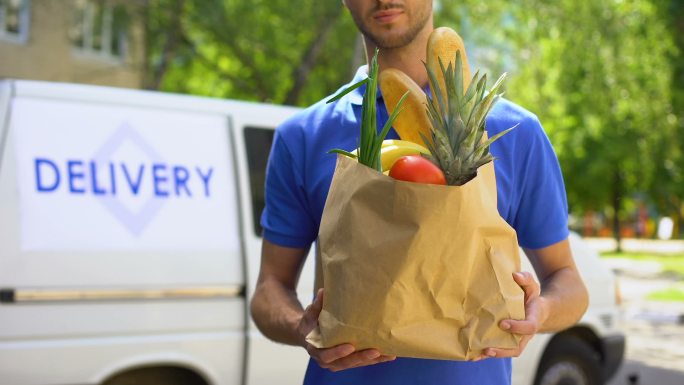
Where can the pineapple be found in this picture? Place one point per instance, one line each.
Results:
(457, 121)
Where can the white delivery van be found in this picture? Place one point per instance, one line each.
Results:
(129, 246)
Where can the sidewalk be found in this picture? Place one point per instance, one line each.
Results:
(638, 245)
(654, 354)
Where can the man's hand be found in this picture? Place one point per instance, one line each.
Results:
(339, 357)
(535, 313)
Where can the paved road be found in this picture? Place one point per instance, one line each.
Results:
(655, 330)
(636, 373)
(638, 245)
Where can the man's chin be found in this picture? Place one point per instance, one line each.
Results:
(391, 39)
(392, 42)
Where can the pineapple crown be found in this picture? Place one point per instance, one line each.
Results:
(458, 121)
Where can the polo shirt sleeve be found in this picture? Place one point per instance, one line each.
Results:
(286, 218)
(542, 213)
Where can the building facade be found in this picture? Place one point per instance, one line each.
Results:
(77, 41)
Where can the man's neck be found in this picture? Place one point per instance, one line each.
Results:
(409, 59)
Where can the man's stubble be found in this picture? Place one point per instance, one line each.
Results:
(388, 40)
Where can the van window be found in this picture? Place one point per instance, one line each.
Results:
(258, 142)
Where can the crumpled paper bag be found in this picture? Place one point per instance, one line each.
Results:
(415, 270)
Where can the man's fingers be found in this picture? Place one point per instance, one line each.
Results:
(524, 327)
(317, 304)
(525, 280)
(378, 360)
(355, 360)
(500, 353)
(387, 358)
(343, 357)
(480, 357)
(351, 361)
(312, 311)
(530, 325)
(330, 355)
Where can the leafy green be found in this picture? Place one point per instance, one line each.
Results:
(370, 141)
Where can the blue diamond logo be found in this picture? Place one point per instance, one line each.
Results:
(134, 221)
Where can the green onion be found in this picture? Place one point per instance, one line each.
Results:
(370, 142)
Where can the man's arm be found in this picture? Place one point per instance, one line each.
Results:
(279, 315)
(563, 294)
(561, 300)
(275, 307)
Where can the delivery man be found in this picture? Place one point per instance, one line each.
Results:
(531, 198)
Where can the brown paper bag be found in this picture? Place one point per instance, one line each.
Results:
(415, 270)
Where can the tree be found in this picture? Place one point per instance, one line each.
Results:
(668, 187)
(598, 74)
(269, 51)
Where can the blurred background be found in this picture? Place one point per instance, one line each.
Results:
(606, 79)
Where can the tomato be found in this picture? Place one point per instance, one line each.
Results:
(415, 168)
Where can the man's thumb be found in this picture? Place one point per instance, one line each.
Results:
(318, 302)
(312, 311)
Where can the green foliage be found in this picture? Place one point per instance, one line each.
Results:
(599, 79)
(668, 191)
(670, 294)
(269, 51)
(370, 141)
(599, 74)
(606, 78)
(457, 117)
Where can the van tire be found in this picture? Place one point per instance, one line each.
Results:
(166, 375)
(568, 360)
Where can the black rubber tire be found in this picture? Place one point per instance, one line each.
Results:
(156, 376)
(568, 360)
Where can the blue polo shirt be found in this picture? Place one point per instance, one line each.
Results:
(530, 191)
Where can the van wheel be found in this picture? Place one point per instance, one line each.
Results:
(164, 375)
(569, 361)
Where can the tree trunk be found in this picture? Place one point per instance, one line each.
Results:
(144, 15)
(617, 208)
(677, 216)
(168, 51)
(301, 72)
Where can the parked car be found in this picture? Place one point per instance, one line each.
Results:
(130, 245)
